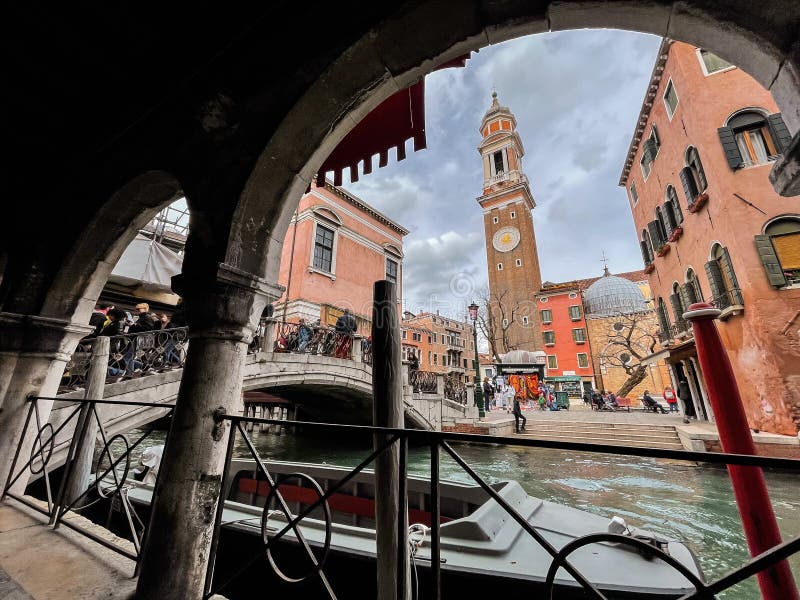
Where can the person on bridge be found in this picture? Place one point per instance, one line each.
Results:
(304, 335)
(488, 394)
(346, 323)
(99, 318)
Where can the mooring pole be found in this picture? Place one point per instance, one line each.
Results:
(749, 488)
(391, 510)
(86, 424)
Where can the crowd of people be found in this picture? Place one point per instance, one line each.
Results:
(108, 320)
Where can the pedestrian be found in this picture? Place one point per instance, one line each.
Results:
(346, 323)
(488, 394)
(99, 318)
(116, 323)
(304, 335)
(518, 415)
(672, 400)
(144, 321)
(685, 394)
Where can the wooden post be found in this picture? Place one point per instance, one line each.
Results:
(391, 512)
(86, 425)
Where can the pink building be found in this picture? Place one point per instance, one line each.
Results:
(336, 247)
(711, 228)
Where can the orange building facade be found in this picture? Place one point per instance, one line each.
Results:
(336, 247)
(711, 228)
(442, 344)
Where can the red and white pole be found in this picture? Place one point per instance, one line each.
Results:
(749, 488)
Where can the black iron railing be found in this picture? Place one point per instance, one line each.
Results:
(111, 468)
(729, 298)
(678, 330)
(455, 389)
(112, 480)
(130, 355)
(305, 339)
(423, 382)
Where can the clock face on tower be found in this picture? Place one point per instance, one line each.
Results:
(506, 239)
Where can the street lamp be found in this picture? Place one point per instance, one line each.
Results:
(473, 314)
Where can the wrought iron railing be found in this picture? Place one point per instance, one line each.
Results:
(729, 298)
(112, 482)
(423, 382)
(111, 468)
(455, 389)
(305, 339)
(130, 355)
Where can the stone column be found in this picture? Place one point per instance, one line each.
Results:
(34, 351)
(221, 324)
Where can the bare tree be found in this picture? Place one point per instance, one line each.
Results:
(495, 317)
(628, 341)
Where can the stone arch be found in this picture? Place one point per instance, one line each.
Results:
(387, 59)
(85, 270)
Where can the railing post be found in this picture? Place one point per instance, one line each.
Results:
(440, 385)
(86, 425)
(391, 512)
(749, 487)
(356, 351)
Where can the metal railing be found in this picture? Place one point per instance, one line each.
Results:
(111, 468)
(131, 355)
(455, 389)
(305, 339)
(423, 382)
(678, 330)
(729, 298)
(111, 484)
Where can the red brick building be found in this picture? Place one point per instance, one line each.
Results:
(711, 228)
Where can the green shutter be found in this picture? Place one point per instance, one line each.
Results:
(701, 173)
(677, 307)
(766, 252)
(664, 218)
(727, 267)
(717, 284)
(689, 186)
(730, 148)
(780, 133)
(663, 319)
(686, 297)
(655, 235)
(645, 253)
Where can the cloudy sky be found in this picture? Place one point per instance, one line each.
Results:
(576, 96)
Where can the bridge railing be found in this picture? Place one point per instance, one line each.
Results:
(307, 339)
(423, 382)
(131, 355)
(455, 389)
(114, 481)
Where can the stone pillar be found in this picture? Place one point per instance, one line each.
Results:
(356, 354)
(222, 317)
(33, 353)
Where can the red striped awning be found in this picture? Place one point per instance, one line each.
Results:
(391, 124)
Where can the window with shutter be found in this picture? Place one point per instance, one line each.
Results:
(769, 258)
(677, 309)
(663, 224)
(655, 235)
(784, 235)
(729, 275)
(675, 204)
(689, 186)
(696, 166)
(648, 246)
(696, 293)
(645, 253)
(687, 296)
(730, 148)
(663, 319)
(717, 284)
(780, 133)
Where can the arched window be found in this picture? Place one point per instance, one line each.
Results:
(663, 320)
(722, 279)
(752, 138)
(678, 306)
(663, 231)
(693, 176)
(693, 292)
(672, 209)
(779, 250)
(647, 248)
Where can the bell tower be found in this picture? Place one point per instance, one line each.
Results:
(508, 204)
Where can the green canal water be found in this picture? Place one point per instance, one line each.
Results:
(684, 501)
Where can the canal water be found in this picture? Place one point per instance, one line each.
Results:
(684, 501)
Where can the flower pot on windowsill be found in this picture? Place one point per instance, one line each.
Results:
(663, 250)
(649, 268)
(698, 203)
(676, 234)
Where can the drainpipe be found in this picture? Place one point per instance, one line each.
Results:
(749, 488)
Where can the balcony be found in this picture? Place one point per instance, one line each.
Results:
(730, 302)
(509, 177)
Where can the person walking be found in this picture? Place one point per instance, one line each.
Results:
(100, 318)
(488, 394)
(518, 415)
(685, 394)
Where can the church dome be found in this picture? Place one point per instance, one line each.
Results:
(611, 295)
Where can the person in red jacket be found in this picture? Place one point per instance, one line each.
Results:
(671, 398)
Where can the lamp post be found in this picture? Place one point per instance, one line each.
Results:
(473, 314)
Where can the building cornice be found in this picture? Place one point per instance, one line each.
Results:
(647, 106)
(361, 205)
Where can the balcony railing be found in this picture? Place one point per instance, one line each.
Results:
(423, 382)
(130, 355)
(729, 299)
(677, 331)
(113, 479)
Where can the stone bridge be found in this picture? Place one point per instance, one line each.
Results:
(327, 388)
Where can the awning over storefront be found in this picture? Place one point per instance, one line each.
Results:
(672, 354)
(397, 119)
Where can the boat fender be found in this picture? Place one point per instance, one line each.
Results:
(618, 525)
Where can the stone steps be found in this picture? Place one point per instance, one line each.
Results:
(614, 434)
(661, 445)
